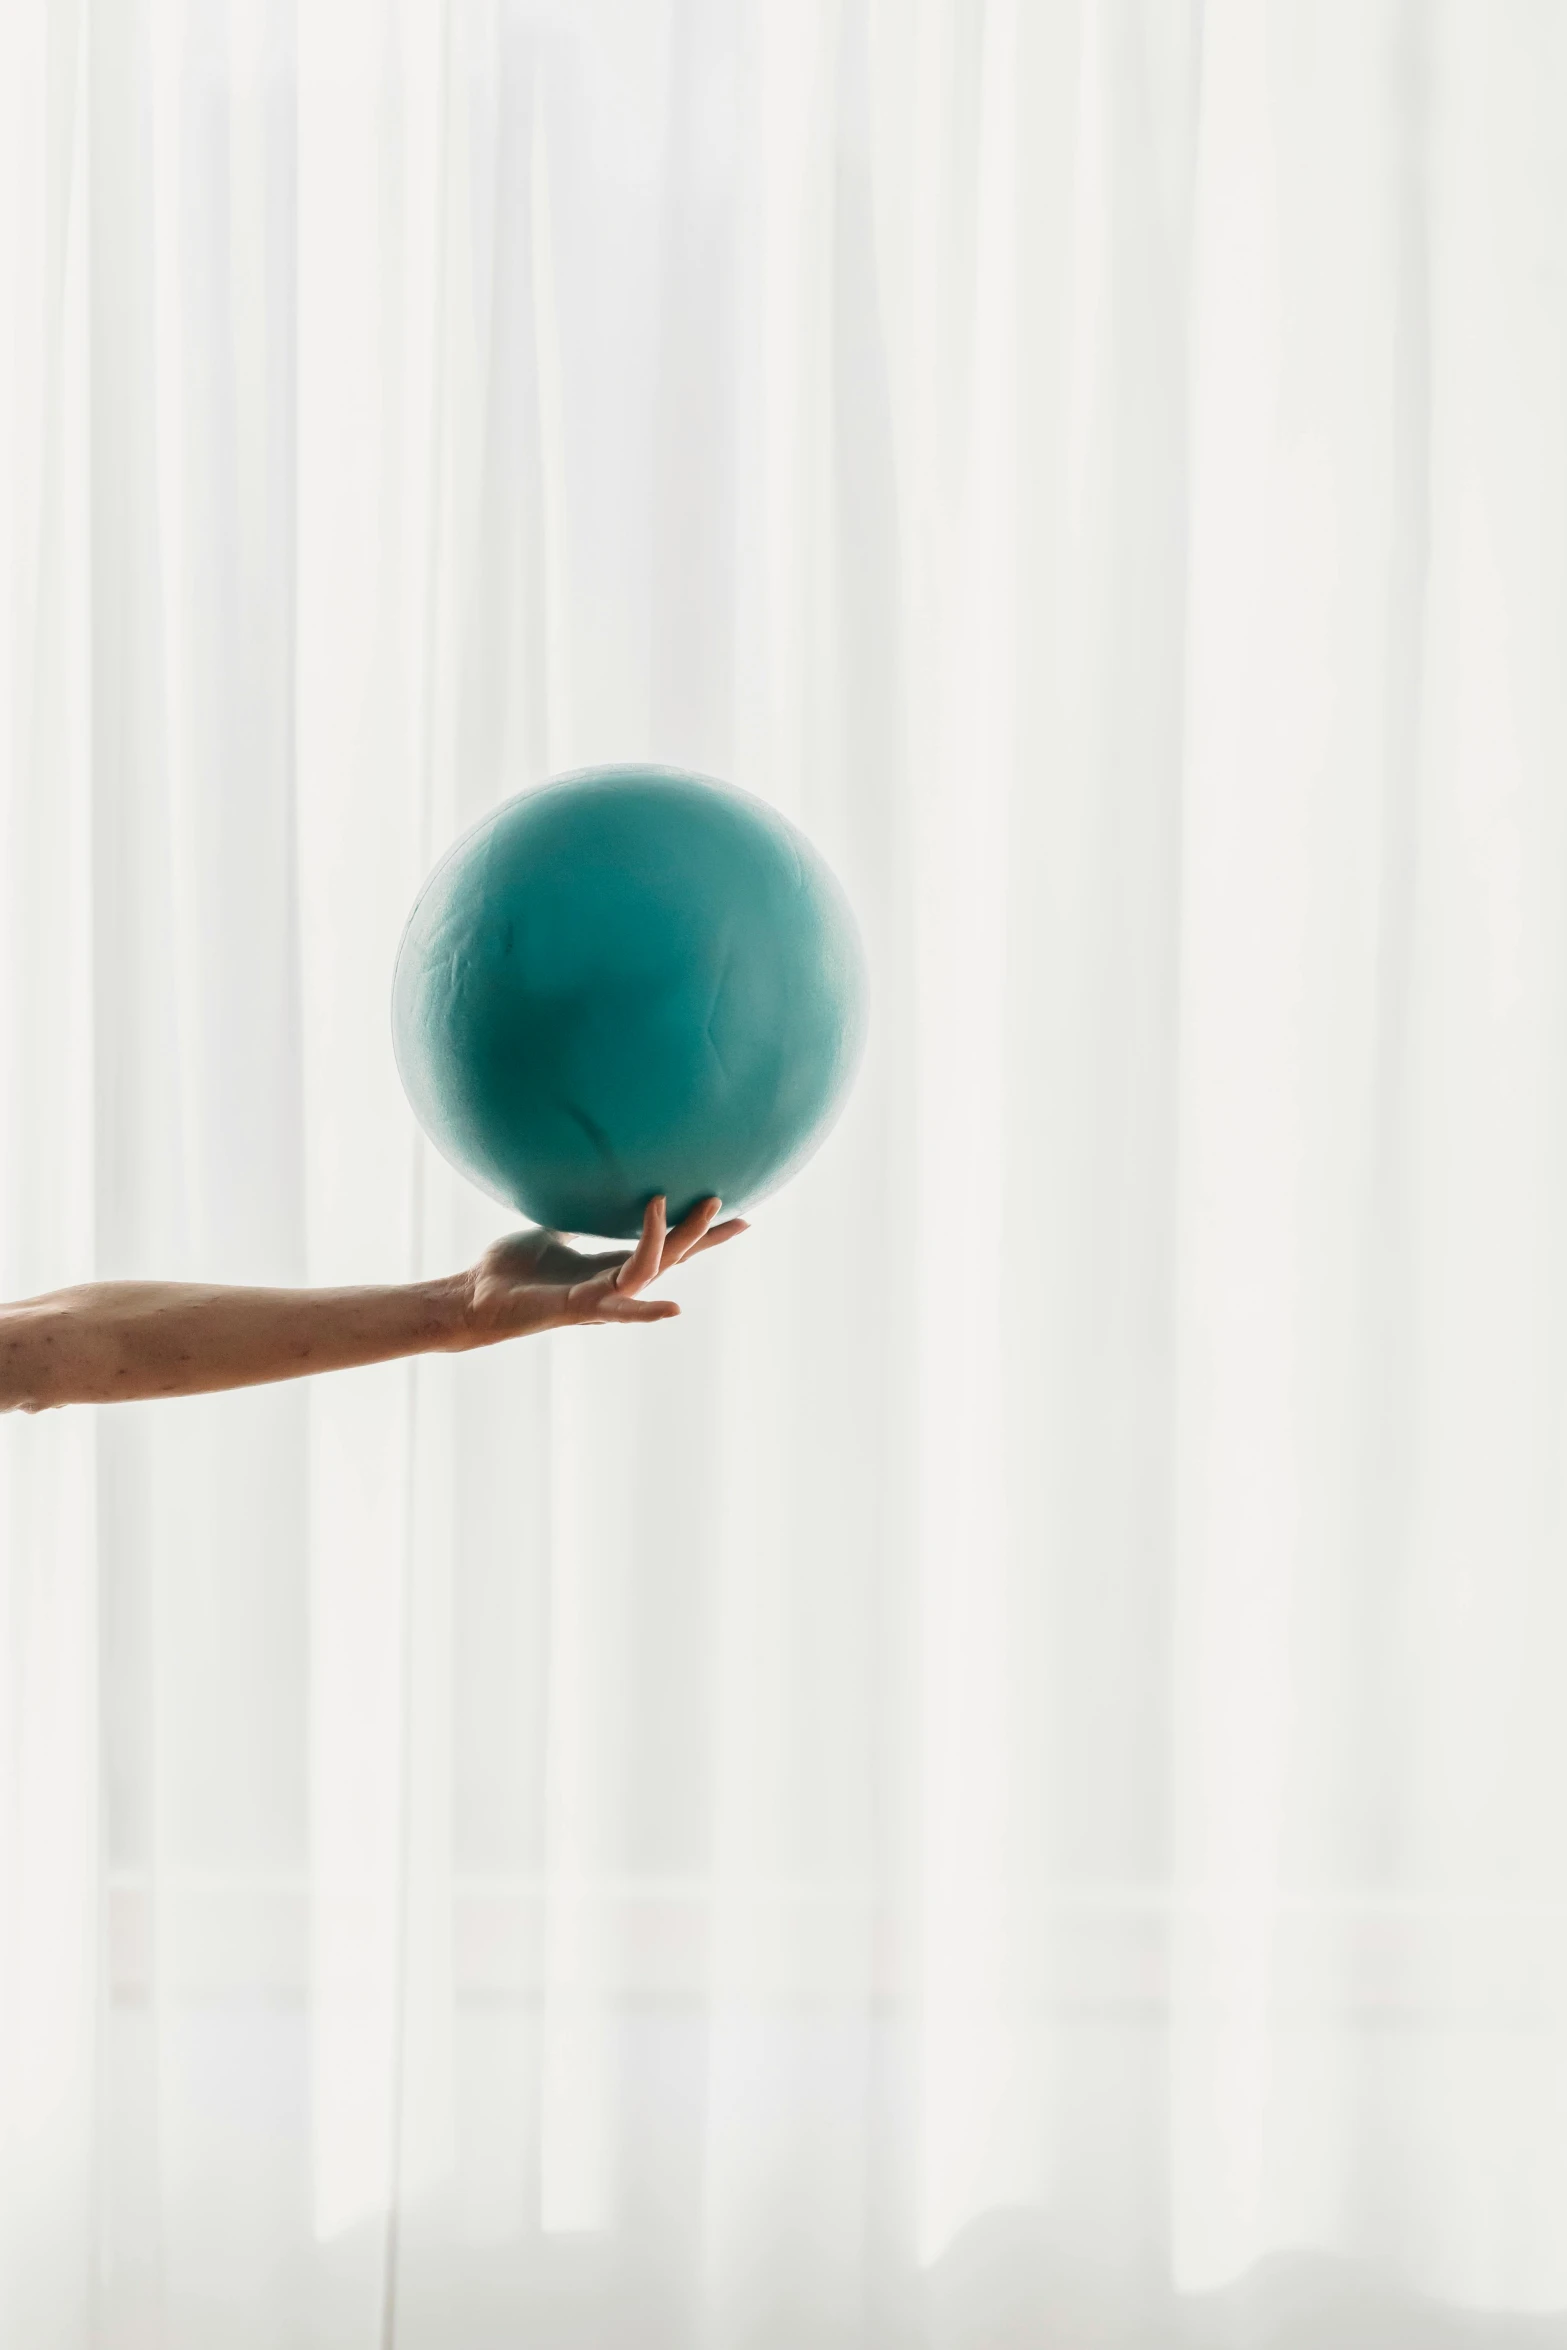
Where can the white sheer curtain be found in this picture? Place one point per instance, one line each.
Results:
(1005, 1782)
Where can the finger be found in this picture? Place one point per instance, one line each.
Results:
(601, 1299)
(688, 1232)
(617, 1307)
(642, 1265)
(719, 1234)
(604, 1260)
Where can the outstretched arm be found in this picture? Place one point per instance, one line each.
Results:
(123, 1341)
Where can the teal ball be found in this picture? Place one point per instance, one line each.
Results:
(630, 981)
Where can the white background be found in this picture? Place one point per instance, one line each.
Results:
(1003, 1782)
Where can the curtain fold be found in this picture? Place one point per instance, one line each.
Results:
(1002, 1782)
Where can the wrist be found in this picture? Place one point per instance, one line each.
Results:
(446, 1308)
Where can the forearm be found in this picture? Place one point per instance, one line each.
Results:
(124, 1341)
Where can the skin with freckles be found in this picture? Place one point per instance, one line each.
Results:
(127, 1341)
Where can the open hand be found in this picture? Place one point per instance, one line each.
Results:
(535, 1281)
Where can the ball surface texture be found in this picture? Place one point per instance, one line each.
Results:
(629, 981)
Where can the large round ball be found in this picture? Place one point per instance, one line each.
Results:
(628, 982)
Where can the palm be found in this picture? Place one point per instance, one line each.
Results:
(536, 1281)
